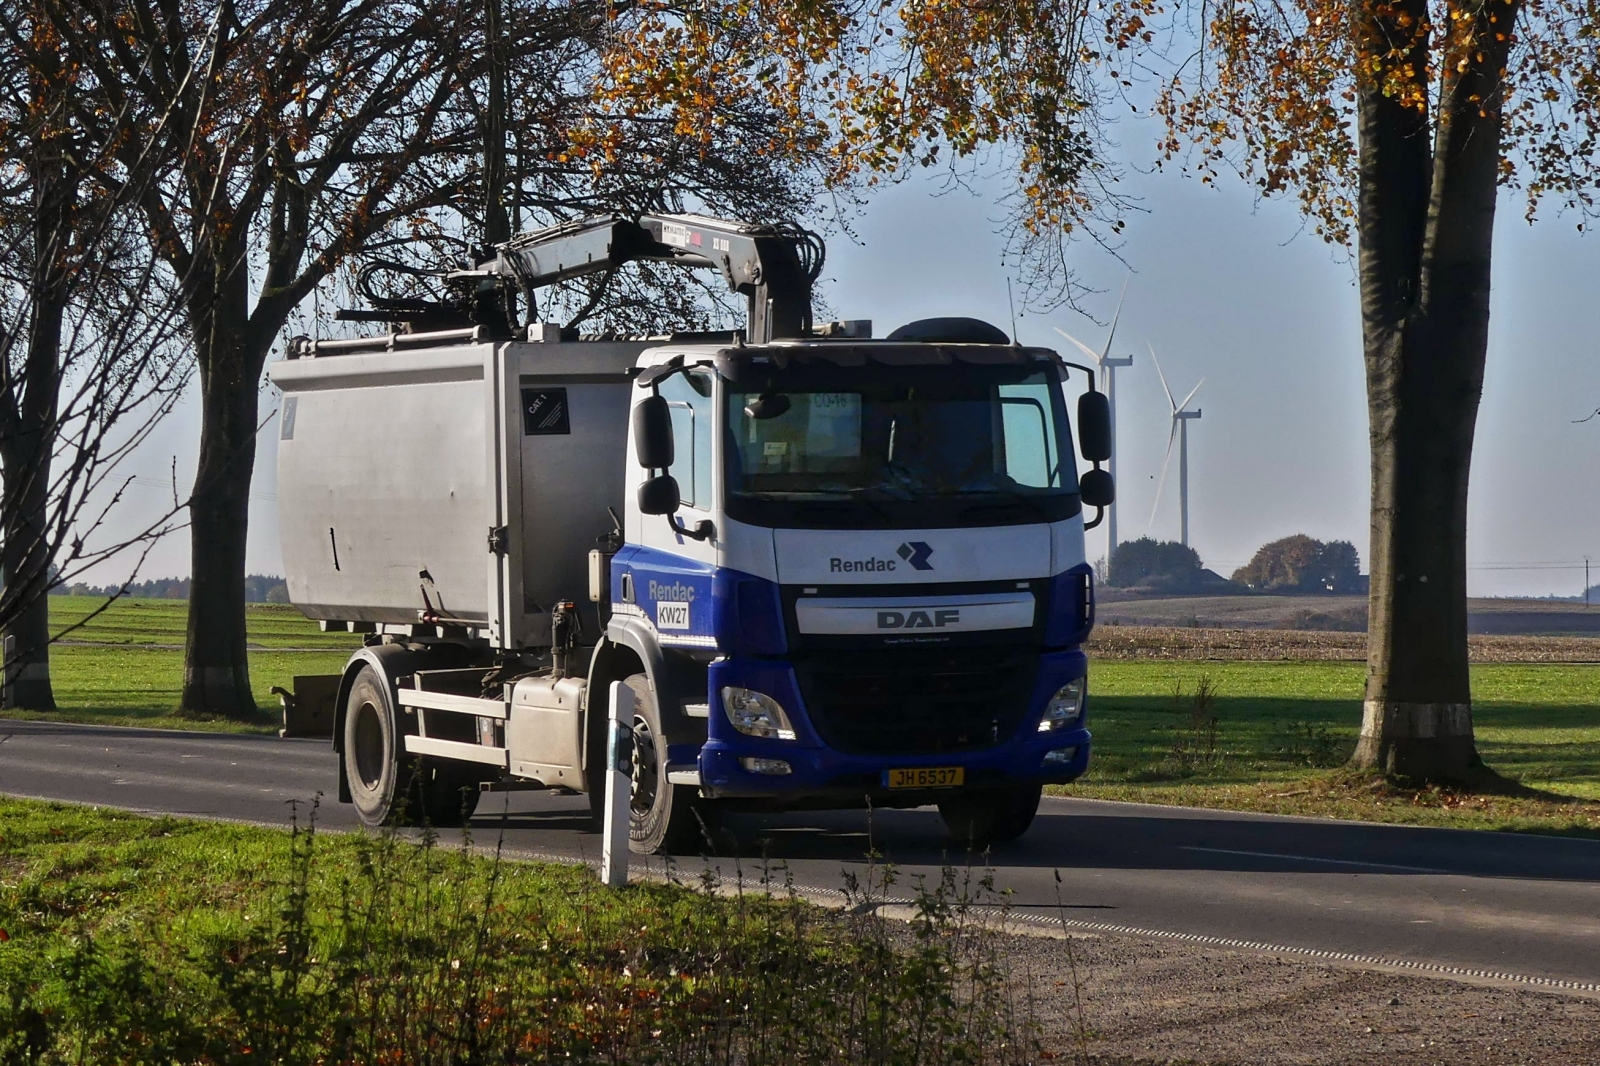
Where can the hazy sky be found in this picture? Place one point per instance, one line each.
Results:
(1234, 292)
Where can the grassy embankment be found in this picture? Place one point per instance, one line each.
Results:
(1276, 733)
(128, 940)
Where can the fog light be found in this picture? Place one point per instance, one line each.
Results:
(756, 714)
(1064, 708)
(770, 767)
(1060, 757)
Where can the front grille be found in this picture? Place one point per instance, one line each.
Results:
(918, 701)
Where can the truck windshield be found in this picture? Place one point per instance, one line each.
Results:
(924, 446)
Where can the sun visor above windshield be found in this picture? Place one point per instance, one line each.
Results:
(756, 362)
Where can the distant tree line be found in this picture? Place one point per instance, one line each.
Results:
(1159, 565)
(258, 588)
(1303, 564)
(1296, 564)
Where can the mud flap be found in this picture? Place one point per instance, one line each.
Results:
(309, 711)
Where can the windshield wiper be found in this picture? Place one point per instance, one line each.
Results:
(828, 498)
(860, 495)
(1010, 497)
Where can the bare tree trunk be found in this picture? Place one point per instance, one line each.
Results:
(1427, 226)
(25, 555)
(27, 433)
(216, 669)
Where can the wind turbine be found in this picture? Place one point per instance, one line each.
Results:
(1108, 384)
(1181, 415)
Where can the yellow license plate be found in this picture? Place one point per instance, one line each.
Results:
(925, 777)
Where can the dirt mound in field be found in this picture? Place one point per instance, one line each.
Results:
(1489, 617)
(1113, 641)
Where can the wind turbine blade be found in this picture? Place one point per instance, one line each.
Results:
(1162, 481)
(1116, 317)
(1184, 405)
(1082, 347)
(1162, 376)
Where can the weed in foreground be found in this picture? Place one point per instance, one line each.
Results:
(1310, 743)
(1194, 747)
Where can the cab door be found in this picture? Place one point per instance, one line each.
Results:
(672, 572)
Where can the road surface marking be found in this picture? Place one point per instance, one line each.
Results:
(1313, 858)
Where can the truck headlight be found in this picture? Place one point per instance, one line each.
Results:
(755, 714)
(1064, 708)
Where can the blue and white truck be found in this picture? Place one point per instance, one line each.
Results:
(834, 570)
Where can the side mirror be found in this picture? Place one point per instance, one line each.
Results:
(659, 495)
(652, 440)
(1094, 428)
(1095, 488)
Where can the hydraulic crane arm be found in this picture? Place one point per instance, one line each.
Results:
(774, 267)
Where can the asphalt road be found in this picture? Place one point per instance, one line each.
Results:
(1494, 902)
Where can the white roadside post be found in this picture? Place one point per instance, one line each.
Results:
(619, 786)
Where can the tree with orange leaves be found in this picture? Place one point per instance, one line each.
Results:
(1394, 122)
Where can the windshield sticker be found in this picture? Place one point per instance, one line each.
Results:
(833, 428)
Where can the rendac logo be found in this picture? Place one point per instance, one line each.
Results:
(859, 566)
(916, 553)
(937, 619)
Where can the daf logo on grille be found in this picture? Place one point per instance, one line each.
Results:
(916, 553)
(936, 619)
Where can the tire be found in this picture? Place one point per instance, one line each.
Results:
(443, 795)
(372, 750)
(388, 787)
(663, 817)
(990, 816)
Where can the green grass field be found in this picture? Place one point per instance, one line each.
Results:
(1278, 731)
(162, 622)
(125, 665)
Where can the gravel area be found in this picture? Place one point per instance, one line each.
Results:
(1185, 642)
(1149, 1002)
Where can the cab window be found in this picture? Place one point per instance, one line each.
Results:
(688, 397)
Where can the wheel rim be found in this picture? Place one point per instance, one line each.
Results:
(646, 778)
(368, 742)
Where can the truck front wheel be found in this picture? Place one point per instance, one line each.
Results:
(662, 816)
(990, 816)
(372, 751)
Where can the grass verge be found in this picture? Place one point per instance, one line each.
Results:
(133, 940)
(1273, 737)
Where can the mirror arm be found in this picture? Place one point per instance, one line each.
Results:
(1088, 373)
(703, 529)
(1099, 516)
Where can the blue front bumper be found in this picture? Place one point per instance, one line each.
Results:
(820, 776)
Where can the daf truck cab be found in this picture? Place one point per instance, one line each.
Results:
(834, 571)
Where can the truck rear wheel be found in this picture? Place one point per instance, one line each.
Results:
(388, 786)
(444, 796)
(990, 816)
(662, 816)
